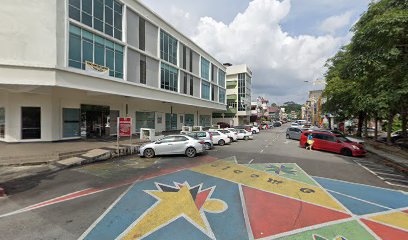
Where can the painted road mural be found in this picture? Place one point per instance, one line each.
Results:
(226, 200)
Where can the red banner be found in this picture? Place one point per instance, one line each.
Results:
(124, 127)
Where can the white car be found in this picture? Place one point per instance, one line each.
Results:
(219, 138)
(231, 134)
(254, 129)
(244, 134)
(174, 144)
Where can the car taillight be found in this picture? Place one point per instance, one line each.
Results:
(202, 142)
(211, 136)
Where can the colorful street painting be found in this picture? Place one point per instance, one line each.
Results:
(226, 200)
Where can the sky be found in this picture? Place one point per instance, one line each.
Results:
(284, 42)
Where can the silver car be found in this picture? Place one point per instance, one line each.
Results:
(174, 144)
(293, 133)
(206, 136)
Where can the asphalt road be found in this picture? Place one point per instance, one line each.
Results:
(88, 191)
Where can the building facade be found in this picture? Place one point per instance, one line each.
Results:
(239, 92)
(69, 68)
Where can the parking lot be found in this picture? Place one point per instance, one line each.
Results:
(231, 183)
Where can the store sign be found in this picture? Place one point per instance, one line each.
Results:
(125, 127)
(96, 68)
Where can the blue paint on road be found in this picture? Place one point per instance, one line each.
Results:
(357, 207)
(229, 224)
(383, 197)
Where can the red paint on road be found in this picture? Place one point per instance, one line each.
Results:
(201, 198)
(385, 232)
(270, 214)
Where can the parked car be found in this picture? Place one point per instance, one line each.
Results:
(293, 133)
(223, 125)
(205, 136)
(244, 134)
(255, 129)
(264, 126)
(233, 136)
(343, 135)
(330, 142)
(294, 125)
(246, 127)
(277, 124)
(219, 138)
(402, 143)
(173, 144)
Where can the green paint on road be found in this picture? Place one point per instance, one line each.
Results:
(348, 230)
(288, 170)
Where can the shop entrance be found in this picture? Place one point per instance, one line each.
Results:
(95, 121)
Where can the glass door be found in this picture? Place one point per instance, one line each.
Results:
(30, 122)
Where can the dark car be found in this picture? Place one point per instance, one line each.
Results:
(277, 124)
(223, 125)
(330, 142)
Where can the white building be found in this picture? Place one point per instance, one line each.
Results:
(239, 87)
(69, 68)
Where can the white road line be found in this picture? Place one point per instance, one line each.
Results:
(262, 150)
(389, 174)
(251, 161)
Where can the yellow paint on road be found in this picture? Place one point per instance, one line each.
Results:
(398, 219)
(268, 182)
(171, 205)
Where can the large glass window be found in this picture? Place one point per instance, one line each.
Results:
(205, 90)
(168, 48)
(205, 69)
(221, 78)
(189, 120)
(169, 77)
(102, 15)
(222, 96)
(71, 122)
(30, 122)
(145, 120)
(143, 69)
(2, 122)
(171, 121)
(205, 120)
(142, 34)
(85, 46)
(241, 92)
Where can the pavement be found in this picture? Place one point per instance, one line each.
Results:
(395, 155)
(266, 188)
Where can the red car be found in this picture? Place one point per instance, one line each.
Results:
(331, 142)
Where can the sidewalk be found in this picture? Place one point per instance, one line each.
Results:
(391, 153)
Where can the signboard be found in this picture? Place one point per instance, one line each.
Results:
(96, 68)
(125, 127)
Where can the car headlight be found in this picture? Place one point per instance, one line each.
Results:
(355, 147)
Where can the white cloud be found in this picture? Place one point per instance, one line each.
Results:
(334, 23)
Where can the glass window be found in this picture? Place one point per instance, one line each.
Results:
(205, 120)
(86, 46)
(145, 120)
(205, 69)
(168, 48)
(169, 77)
(171, 121)
(221, 95)
(102, 15)
(2, 122)
(205, 90)
(71, 122)
(143, 69)
(30, 122)
(191, 85)
(189, 120)
(221, 78)
(142, 34)
(212, 92)
(241, 92)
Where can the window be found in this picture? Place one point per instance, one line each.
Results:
(191, 60)
(102, 15)
(215, 133)
(168, 48)
(189, 120)
(241, 92)
(221, 97)
(169, 77)
(30, 122)
(221, 78)
(142, 34)
(185, 83)
(85, 46)
(168, 139)
(171, 121)
(205, 90)
(142, 69)
(213, 73)
(205, 120)
(181, 119)
(184, 56)
(71, 122)
(145, 120)
(191, 85)
(2, 122)
(212, 92)
(180, 139)
(205, 69)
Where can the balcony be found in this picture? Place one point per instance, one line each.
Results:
(231, 110)
(232, 84)
(232, 97)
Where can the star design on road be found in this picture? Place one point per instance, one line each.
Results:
(175, 202)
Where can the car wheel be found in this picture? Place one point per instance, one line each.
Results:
(253, 132)
(231, 139)
(221, 142)
(246, 138)
(207, 146)
(287, 136)
(346, 152)
(191, 152)
(148, 153)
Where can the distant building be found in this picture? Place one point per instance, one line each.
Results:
(314, 107)
(274, 113)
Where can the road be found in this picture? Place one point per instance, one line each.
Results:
(155, 198)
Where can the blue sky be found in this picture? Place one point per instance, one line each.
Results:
(285, 42)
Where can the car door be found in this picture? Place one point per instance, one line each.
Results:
(331, 144)
(179, 145)
(164, 146)
(318, 141)
(296, 133)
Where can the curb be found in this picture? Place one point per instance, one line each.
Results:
(389, 162)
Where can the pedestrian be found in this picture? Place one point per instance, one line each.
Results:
(310, 142)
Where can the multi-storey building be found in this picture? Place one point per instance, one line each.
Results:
(239, 85)
(69, 68)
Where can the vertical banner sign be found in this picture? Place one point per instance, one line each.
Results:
(125, 130)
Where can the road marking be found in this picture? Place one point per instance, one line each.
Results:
(251, 161)
(262, 150)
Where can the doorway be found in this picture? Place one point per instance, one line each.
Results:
(94, 121)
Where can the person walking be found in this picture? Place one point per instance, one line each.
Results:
(310, 142)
